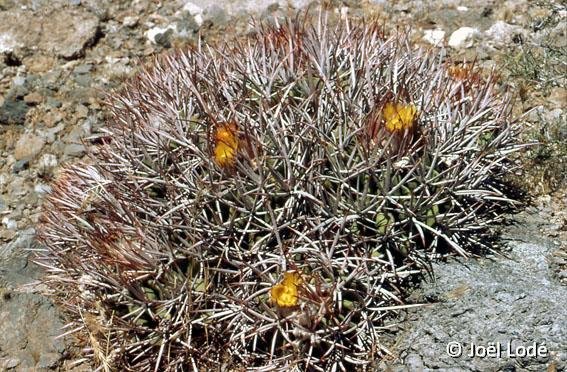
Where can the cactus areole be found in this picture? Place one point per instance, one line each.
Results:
(260, 203)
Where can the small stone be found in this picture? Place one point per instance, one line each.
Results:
(53, 102)
(7, 235)
(503, 33)
(130, 21)
(195, 11)
(463, 37)
(558, 97)
(19, 81)
(74, 150)
(216, 15)
(434, 37)
(83, 69)
(47, 164)
(50, 134)
(81, 111)
(42, 189)
(33, 98)
(9, 223)
(161, 35)
(20, 165)
(13, 111)
(28, 146)
(52, 118)
(48, 360)
(9, 363)
(81, 28)
(83, 80)
(39, 63)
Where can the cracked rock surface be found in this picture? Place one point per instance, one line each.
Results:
(511, 302)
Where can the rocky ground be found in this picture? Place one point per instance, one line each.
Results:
(512, 301)
(59, 58)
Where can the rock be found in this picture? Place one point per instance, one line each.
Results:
(9, 223)
(161, 35)
(13, 111)
(558, 97)
(83, 69)
(8, 43)
(49, 134)
(63, 31)
(53, 117)
(42, 188)
(33, 98)
(215, 14)
(20, 165)
(502, 33)
(9, 363)
(130, 21)
(25, 334)
(234, 8)
(195, 11)
(28, 146)
(74, 150)
(47, 164)
(49, 360)
(511, 299)
(23, 241)
(463, 37)
(53, 102)
(38, 63)
(434, 37)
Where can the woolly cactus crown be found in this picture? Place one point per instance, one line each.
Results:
(258, 203)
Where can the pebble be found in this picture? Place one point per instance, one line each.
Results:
(74, 150)
(502, 33)
(463, 37)
(33, 98)
(9, 363)
(434, 37)
(161, 35)
(130, 21)
(42, 188)
(47, 163)
(13, 111)
(20, 165)
(9, 223)
(28, 146)
(196, 11)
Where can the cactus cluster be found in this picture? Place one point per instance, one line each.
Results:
(259, 203)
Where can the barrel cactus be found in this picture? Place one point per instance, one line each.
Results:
(259, 203)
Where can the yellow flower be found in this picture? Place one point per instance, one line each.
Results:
(226, 145)
(284, 294)
(398, 117)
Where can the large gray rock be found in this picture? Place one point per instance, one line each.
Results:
(510, 303)
(29, 323)
(64, 32)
